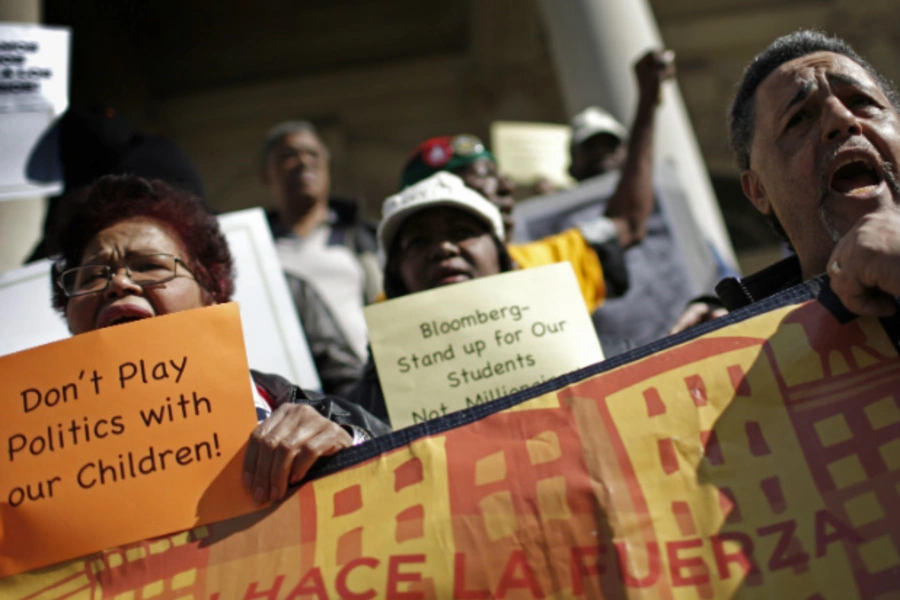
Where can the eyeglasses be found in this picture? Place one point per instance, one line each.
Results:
(142, 269)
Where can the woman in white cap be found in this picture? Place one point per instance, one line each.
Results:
(434, 233)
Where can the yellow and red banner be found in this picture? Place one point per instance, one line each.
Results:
(760, 460)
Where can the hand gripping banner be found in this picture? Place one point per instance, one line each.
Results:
(755, 457)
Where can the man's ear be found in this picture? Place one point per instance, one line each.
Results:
(755, 191)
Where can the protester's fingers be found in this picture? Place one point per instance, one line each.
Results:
(260, 485)
(865, 266)
(295, 437)
(249, 466)
(849, 285)
(652, 69)
(717, 313)
(282, 458)
(286, 434)
(252, 454)
(647, 63)
(645, 59)
(667, 64)
(284, 447)
(696, 313)
(656, 61)
(663, 59)
(690, 317)
(271, 438)
(328, 439)
(870, 304)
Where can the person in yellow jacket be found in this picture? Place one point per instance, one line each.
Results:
(594, 249)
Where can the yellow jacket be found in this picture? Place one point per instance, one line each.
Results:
(571, 246)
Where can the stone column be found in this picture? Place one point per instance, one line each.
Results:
(20, 220)
(595, 44)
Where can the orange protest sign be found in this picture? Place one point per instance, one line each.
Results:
(121, 434)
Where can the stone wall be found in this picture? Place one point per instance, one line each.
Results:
(715, 40)
(378, 77)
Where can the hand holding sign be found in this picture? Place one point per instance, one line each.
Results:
(284, 447)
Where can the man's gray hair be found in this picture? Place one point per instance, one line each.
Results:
(276, 133)
(741, 118)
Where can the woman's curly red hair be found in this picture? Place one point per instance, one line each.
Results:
(114, 198)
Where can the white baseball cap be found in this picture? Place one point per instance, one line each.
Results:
(593, 121)
(441, 189)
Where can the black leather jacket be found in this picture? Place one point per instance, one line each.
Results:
(342, 412)
(736, 293)
(367, 392)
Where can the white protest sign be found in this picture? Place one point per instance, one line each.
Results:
(34, 90)
(527, 152)
(461, 345)
(272, 332)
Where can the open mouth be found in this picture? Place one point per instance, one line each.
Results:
(121, 320)
(448, 275)
(856, 177)
(452, 277)
(118, 314)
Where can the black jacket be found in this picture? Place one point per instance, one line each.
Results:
(736, 293)
(342, 412)
(367, 392)
(338, 365)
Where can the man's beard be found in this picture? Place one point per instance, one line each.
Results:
(827, 218)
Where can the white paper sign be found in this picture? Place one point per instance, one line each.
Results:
(457, 346)
(272, 331)
(34, 90)
(527, 152)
